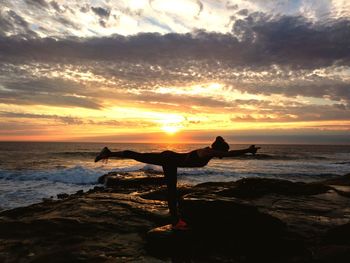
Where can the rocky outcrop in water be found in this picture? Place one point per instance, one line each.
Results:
(251, 220)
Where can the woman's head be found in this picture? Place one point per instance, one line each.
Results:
(220, 145)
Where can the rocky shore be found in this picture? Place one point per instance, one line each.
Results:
(251, 220)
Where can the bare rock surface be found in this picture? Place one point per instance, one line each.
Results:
(251, 220)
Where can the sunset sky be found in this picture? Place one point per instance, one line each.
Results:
(175, 71)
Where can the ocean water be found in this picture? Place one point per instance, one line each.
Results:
(30, 171)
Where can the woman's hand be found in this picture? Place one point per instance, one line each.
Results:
(103, 155)
(252, 149)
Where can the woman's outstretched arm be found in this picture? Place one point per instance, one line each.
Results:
(233, 153)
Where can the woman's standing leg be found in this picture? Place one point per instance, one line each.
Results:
(170, 173)
(167, 159)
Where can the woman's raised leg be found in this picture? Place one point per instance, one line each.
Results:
(149, 158)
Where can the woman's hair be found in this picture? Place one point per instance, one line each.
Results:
(220, 145)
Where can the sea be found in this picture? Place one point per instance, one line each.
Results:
(31, 171)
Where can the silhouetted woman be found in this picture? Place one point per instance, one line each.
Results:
(170, 161)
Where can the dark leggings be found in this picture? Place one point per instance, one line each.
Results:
(169, 161)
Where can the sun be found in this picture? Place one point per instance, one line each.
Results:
(170, 129)
(171, 123)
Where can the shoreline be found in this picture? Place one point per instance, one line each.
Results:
(248, 220)
(151, 172)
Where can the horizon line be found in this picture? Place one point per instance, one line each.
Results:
(148, 142)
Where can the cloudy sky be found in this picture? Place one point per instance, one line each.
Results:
(186, 70)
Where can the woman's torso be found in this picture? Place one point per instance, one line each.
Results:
(196, 158)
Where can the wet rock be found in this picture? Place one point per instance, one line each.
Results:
(164, 241)
(339, 235)
(341, 180)
(257, 220)
(257, 187)
(102, 179)
(80, 192)
(46, 200)
(229, 229)
(235, 227)
(127, 183)
(332, 254)
(161, 193)
(114, 182)
(129, 175)
(94, 227)
(62, 196)
(96, 189)
(225, 213)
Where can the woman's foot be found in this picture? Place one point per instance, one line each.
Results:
(180, 225)
(253, 149)
(104, 154)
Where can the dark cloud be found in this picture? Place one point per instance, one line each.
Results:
(262, 41)
(44, 91)
(231, 6)
(291, 84)
(47, 99)
(243, 12)
(295, 114)
(43, 85)
(336, 90)
(200, 6)
(18, 20)
(101, 12)
(55, 6)
(13, 128)
(150, 97)
(38, 3)
(67, 23)
(85, 9)
(5, 24)
(12, 23)
(124, 123)
(102, 23)
(295, 41)
(62, 119)
(70, 120)
(136, 82)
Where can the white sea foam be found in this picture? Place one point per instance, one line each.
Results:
(74, 175)
(79, 174)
